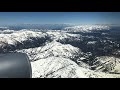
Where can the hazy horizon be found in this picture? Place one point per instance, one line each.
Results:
(7, 18)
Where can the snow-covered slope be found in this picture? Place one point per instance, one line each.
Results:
(54, 59)
(56, 67)
(22, 39)
(61, 35)
(107, 64)
(52, 49)
(10, 39)
(20, 36)
(6, 31)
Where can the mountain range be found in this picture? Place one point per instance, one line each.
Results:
(62, 54)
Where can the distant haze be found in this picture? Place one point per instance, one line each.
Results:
(59, 18)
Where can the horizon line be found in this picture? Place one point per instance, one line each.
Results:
(58, 23)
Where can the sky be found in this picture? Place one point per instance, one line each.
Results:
(59, 18)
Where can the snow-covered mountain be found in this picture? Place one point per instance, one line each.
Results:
(59, 35)
(52, 59)
(21, 39)
(36, 26)
(107, 64)
(12, 40)
(87, 28)
(53, 48)
(3, 28)
(55, 62)
(57, 67)
(20, 36)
